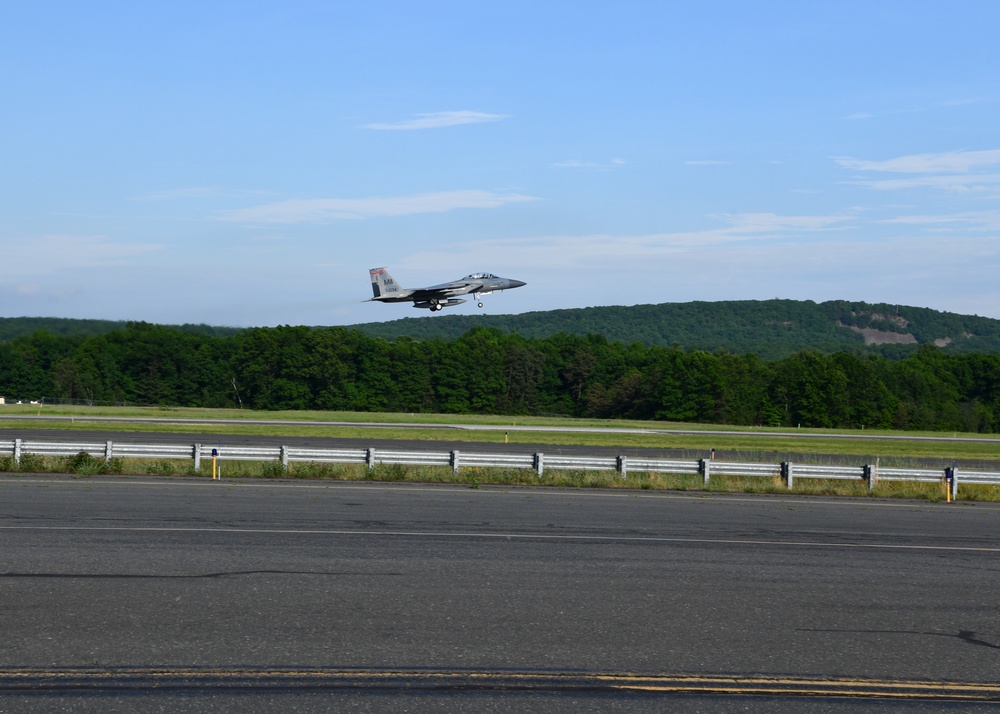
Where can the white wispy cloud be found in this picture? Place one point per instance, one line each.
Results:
(595, 165)
(435, 120)
(743, 229)
(962, 102)
(972, 220)
(958, 183)
(50, 254)
(775, 223)
(198, 192)
(953, 162)
(40, 290)
(898, 111)
(319, 210)
(953, 171)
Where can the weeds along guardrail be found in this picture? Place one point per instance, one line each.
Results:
(539, 462)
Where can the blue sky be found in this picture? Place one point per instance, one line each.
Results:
(246, 163)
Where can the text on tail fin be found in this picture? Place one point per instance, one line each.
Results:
(382, 282)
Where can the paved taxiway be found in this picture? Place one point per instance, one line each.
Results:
(132, 574)
(495, 428)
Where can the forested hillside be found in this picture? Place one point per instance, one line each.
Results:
(489, 371)
(14, 327)
(769, 328)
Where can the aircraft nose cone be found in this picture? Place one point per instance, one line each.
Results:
(517, 283)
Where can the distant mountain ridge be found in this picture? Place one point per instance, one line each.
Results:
(770, 328)
(13, 327)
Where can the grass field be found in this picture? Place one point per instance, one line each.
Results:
(739, 443)
(85, 466)
(625, 434)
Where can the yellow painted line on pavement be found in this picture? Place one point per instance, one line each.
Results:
(167, 679)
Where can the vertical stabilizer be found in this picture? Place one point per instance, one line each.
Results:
(382, 283)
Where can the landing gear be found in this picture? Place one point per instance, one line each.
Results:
(480, 304)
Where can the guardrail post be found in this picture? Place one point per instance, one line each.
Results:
(454, 462)
(623, 466)
(786, 471)
(539, 464)
(954, 481)
(370, 459)
(197, 458)
(871, 476)
(703, 465)
(108, 450)
(17, 452)
(284, 456)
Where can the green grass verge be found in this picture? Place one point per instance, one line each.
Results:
(762, 441)
(763, 445)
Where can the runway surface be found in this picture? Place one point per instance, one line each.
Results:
(192, 593)
(57, 421)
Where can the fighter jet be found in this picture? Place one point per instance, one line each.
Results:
(437, 297)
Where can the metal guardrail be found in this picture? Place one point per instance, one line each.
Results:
(981, 478)
(46, 448)
(847, 473)
(152, 451)
(415, 458)
(539, 462)
(660, 466)
(504, 461)
(323, 456)
(920, 475)
(733, 468)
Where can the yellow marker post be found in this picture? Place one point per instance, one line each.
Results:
(215, 459)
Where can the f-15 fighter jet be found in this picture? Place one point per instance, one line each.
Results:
(437, 297)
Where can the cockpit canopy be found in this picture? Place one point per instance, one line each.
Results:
(480, 276)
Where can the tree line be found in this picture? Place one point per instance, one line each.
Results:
(493, 372)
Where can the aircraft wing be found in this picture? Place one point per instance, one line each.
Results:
(457, 287)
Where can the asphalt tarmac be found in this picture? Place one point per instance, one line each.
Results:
(185, 594)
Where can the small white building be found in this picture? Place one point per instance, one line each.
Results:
(2, 400)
